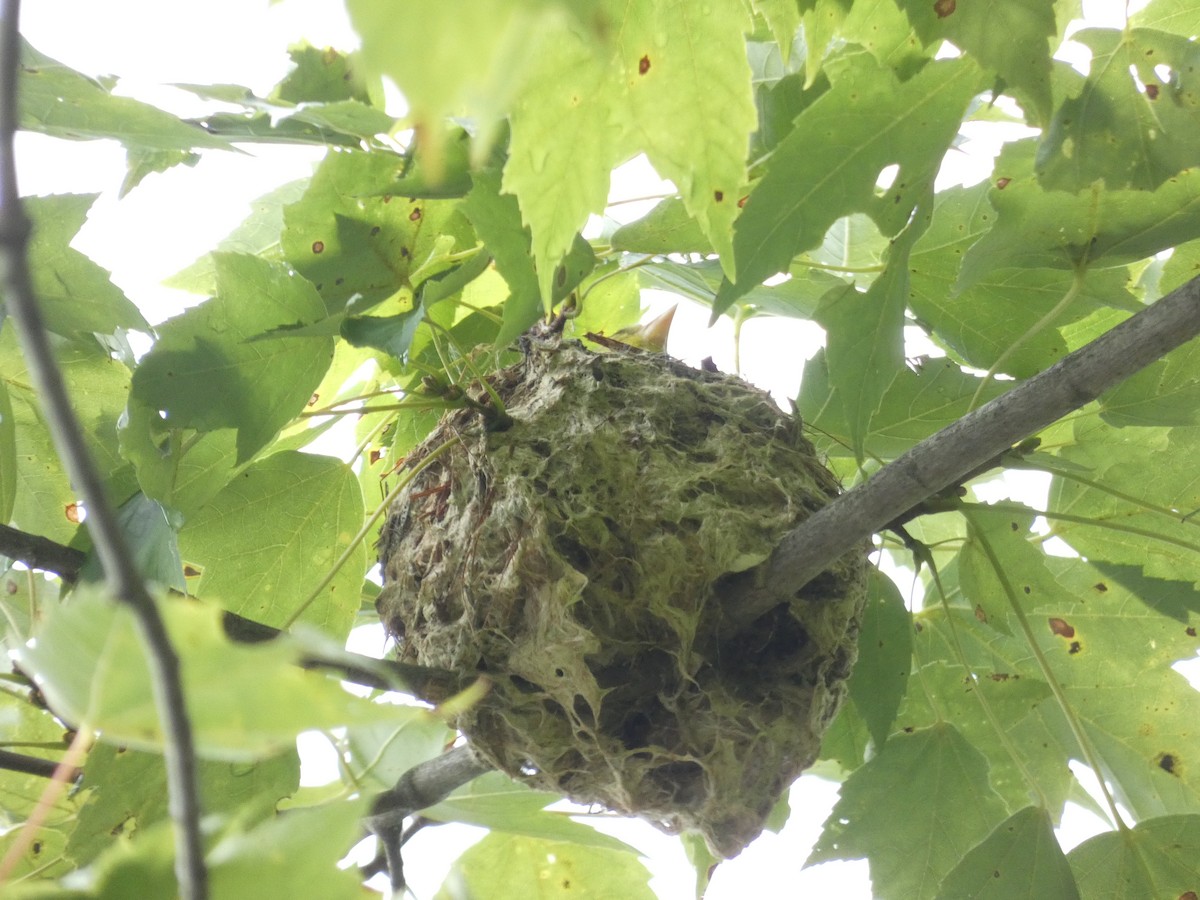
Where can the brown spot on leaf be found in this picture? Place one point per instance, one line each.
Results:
(644, 65)
(1190, 631)
(312, 401)
(980, 614)
(374, 230)
(10, 587)
(999, 676)
(1152, 91)
(374, 456)
(73, 513)
(945, 8)
(1014, 526)
(415, 215)
(718, 196)
(1061, 627)
(742, 201)
(1074, 648)
(190, 571)
(1002, 183)
(1027, 589)
(1188, 895)
(1166, 762)
(318, 247)
(1101, 587)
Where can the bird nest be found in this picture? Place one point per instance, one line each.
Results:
(577, 559)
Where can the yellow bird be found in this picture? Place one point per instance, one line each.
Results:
(651, 336)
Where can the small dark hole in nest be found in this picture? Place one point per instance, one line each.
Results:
(597, 371)
(635, 730)
(542, 448)
(583, 711)
(573, 552)
(524, 685)
(822, 586)
(682, 781)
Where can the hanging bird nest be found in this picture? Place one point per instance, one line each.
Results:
(576, 559)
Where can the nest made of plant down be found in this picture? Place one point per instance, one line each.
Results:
(576, 559)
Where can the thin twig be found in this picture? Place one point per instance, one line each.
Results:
(123, 577)
(944, 458)
(65, 774)
(430, 684)
(29, 765)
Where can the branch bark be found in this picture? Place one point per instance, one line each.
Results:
(420, 787)
(955, 451)
(122, 574)
(430, 684)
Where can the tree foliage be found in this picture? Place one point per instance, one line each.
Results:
(804, 139)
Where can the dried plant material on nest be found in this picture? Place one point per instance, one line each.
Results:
(577, 558)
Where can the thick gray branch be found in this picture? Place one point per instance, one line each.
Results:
(955, 451)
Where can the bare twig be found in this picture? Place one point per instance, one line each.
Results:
(124, 579)
(29, 765)
(946, 457)
(420, 787)
(40, 553)
(430, 684)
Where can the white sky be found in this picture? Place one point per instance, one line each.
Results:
(173, 218)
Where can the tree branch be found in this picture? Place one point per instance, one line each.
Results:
(29, 765)
(41, 553)
(124, 579)
(429, 684)
(946, 457)
(422, 786)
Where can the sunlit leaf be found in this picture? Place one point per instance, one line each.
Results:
(75, 294)
(1111, 653)
(983, 322)
(1133, 506)
(1133, 123)
(214, 368)
(1020, 860)
(45, 503)
(8, 456)
(268, 539)
(509, 865)
(683, 66)
(126, 792)
(495, 801)
(1010, 39)
(245, 702)
(880, 676)
(827, 167)
(568, 131)
(353, 241)
(61, 102)
(1157, 858)
(1038, 228)
(913, 811)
